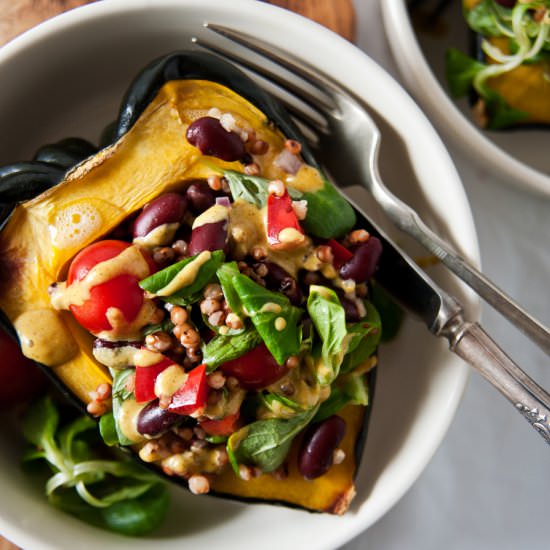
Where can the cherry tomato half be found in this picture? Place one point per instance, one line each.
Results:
(121, 292)
(255, 369)
(21, 378)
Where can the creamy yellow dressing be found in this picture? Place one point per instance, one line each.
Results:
(307, 179)
(124, 330)
(290, 237)
(214, 214)
(119, 357)
(170, 380)
(247, 230)
(127, 419)
(280, 324)
(145, 357)
(130, 261)
(271, 307)
(159, 236)
(186, 276)
(44, 337)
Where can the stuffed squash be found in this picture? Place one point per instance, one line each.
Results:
(201, 288)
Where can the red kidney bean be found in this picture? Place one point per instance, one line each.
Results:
(506, 3)
(168, 208)
(211, 138)
(318, 445)
(200, 197)
(210, 236)
(364, 262)
(153, 420)
(350, 308)
(279, 280)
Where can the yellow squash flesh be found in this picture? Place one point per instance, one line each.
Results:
(154, 157)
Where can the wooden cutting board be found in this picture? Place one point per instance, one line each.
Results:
(20, 15)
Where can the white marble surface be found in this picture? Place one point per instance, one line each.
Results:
(487, 486)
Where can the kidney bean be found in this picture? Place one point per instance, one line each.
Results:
(168, 208)
(211, 138)
(210, 236)
(109, 344)
(364, 262)
(153, 420)
(318, 445)
(350, 309)
(200, 197)
(278, 279)
(506, 3)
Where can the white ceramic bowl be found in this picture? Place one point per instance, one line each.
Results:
(67, 77)
(518, 157)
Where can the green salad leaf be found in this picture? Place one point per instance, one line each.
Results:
(460, 71)
(191, 292)
(119, 395)
(275, 318)
(364, 337)
(347, 390)
(225, 274)
(329, 319)
(252, 189)
(223, 348)
(110, 492)
(265, 443)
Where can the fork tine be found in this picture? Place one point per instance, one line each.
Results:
(322, 102)
(308, 114)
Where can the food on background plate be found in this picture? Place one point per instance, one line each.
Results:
(510, 72)
(202, 288)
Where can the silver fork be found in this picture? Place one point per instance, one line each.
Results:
(398, 273)
(331, 115)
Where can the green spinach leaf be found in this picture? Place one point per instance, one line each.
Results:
(483, 19)
(252, 189)
(364, 338)
(119, 395)
(351, 390)
(108, 430)
(329, 319)
(460, 71)
(329, 214)
(266, 443)
(226, 348)
(274, 317)
(191, 292)
(225, 274)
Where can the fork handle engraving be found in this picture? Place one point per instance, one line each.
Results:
(538, 420)
(474, 345)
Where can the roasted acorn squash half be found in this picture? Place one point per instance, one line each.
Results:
(61, 209)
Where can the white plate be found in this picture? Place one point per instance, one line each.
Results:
(518, 157)
(67, 77)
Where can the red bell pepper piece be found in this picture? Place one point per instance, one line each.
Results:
(340, 253)
(224, 426)
(191, 397)
(283, 228)
(145, 380)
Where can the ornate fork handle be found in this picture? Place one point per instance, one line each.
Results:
(474, 345)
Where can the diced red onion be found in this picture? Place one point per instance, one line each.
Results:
(223, 201)
(288, 162)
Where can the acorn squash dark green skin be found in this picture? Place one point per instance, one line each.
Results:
(22, 181)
